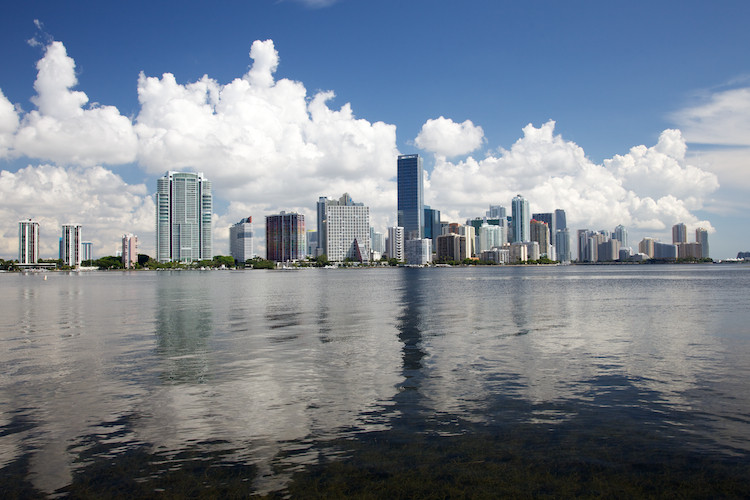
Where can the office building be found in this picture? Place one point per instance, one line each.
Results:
(410, 196)
(496, 255)
(562, 245)
(28, 242)
(129, 252)
(689, 251)
(418, 252)
(344, 230)
(539, 232)
(679, 233)
(184, 205)
(496, 212)
(701, 236)
(394, 243)
(621, 235)
(70, 245)
(285, 237)
(561, 221)
(312, 243)
(432, 227)
(549, 219)
(241, 239)
(521, 219)
(647, 247)
(665, 251)
(608, 250)
(451, 247)
(87, 251)
(377, 241)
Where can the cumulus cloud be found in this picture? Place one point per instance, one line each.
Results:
(444, 137)
(95, 197)
(264, 144)
(61, 129)
(554, 173)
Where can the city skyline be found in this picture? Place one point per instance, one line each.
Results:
(85, 133)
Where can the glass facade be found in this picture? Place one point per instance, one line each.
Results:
(184, 206)
(285, 237)
(411, 196)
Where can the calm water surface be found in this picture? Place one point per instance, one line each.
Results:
(562, 381)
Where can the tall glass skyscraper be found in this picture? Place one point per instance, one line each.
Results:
(521, 219)
(432, 227)
(411, 196)
(183, 217)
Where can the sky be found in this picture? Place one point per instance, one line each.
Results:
(632, 113)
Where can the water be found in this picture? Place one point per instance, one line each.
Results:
(509, 381)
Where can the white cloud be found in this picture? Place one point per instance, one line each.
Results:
(8, 124)
(554, 173)
(95, 197)
(718, 129)
(444, 137)
(61, 130)
(723, 118)
(262, 142)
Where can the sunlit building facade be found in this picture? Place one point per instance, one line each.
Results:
(184, 206)
(28, 242)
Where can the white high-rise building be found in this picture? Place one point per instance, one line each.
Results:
(241, 240)
(183, 217)
(418, 252)
(70, 245)
(521, 219)
(28, 242)
(344, 229)
(129, 250)
(621, 235)
(394, 243)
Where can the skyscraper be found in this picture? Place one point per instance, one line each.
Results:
(129, 250)
(432, 227)
(621, 235)
(561, 221)
(241, 240)
(344, 228)
(410, 196)
(285, 237)
(28, 242)
(679, 233)
(70, 245)
(562, 244)
(521, 219)
(539, 232)
(183, 217)
(549, 218)
(701, 236)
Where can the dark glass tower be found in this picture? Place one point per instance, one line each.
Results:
(410, 196)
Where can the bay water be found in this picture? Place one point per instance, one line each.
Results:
(589, 381)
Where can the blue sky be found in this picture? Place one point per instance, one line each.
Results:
(592, 79)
